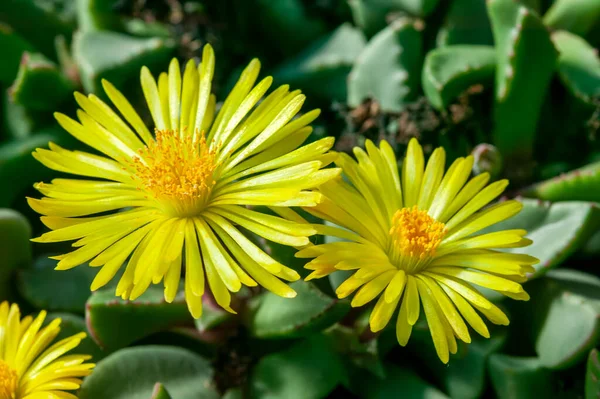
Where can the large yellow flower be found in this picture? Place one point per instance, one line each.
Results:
(180, 195)
(29, 367)
(412, 240)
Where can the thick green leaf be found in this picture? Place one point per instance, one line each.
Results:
(160, 392)
(131, 373)
(18, 122)
(464, 377)
(39, 22)
(577, 185)
(136, 319)
(370, 18)
(592, 375)
(398, 382)
(322, 69)
(40, 85)
(467, 22)
(45, 288)
(307, 370)
(212, 316)
(419, 8)
(388, 68)
(21, 169)
(286, 24)
(97, 15)
(520, 377)
(73, 324)
(520, 36)
(576, 16)
(310, 311)
(557, 230)
(15, 249)
(116, 57)
(233, 393)
(578, 65)
(566, 317)
(13, 46)
(449, 71)
(363, 355)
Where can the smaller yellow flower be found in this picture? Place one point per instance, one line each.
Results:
(29, 367)
(415, 241)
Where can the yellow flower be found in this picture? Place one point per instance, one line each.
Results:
(29, 367)
(177, 198)
(412, 240)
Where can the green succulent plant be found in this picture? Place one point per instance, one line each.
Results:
(514, 82)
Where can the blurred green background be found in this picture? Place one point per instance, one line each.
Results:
(516, 83)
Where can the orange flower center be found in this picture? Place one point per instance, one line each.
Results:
(415, 235)
(177, 172)
(8, 381)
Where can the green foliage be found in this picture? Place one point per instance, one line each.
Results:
(592, 375)
(580, 184)
(449, 71)
(15, 250)
(387, 69)
(310, 369)
(40, 85)
(578, 65)
(131, 373)
(137, 319)
(520, 84)
(577, 16)
(519, 377)
(557, 229)
(516, 83)
(276, 317)
(45, 288)
(116, 57)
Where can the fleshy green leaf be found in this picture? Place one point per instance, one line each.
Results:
(136, 319)
(72, 324)
(309, 311)
(521, 84)
(97, 15)
(448, 71)
(464, 377)
(212, 316)
(160, 392)
(13, 46)
(578, 65)
(131, 373)
(308, 370)
(566, 317)
(519, 377)
(322, 69)
(398, 381)
(116, 57)
(15, 249)
(39, 22)
(557, 230)
(576, 16)
(19, 122)
(21, 169)
(388, 68)
(287, 25)
(467, 22)
(52, 290)
(40, 85)
(369, 17)
(592, 375)
(577, 185)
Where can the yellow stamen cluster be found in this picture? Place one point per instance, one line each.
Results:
(177, 171)
(415, 234)
(8, 381)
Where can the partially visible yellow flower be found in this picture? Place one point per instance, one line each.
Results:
(413, 240)
(31, 368)
(172, 202)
